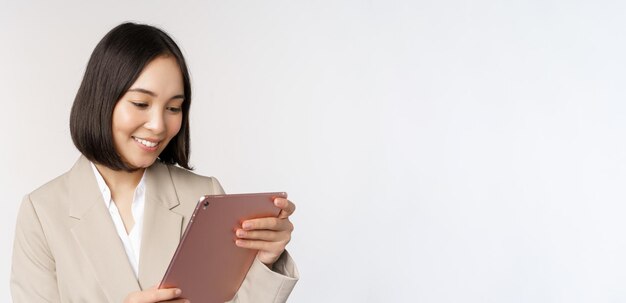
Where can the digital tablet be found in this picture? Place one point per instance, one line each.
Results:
(207, 265)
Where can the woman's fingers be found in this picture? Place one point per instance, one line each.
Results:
(286, 207)
(267, 223)
(279, 223)
(264, 235)
(154, 295)
(269, 235)
(265, 246)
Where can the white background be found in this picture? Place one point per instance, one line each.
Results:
(438, 151)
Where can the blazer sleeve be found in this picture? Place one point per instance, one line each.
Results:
(33, 273)
(263, 284)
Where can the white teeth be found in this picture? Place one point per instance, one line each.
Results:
(146, 142)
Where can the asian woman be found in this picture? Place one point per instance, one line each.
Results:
(105, 231)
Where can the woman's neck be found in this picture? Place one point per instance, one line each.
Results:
(118, 180)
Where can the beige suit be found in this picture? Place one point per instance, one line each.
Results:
(66, 247)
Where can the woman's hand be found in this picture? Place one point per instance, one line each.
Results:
(154, 295)
(268, 235)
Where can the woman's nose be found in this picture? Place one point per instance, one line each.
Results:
(156, 122)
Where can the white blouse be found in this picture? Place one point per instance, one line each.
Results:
(132, 240)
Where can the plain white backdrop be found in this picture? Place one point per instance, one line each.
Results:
(438, 151)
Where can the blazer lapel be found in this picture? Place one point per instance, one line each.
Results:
(162, 227)
(96, 235)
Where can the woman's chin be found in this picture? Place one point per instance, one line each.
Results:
(141, 164)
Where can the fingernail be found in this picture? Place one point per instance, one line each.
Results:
(247, 225)
(238, 242)
(240, 233)
(277, 202)
(178, 292)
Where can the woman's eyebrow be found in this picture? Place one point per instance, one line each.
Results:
(153, 94)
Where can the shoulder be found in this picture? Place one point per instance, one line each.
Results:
(185, 179)
(57, 193)
(50, 192)
(181, 173)
(48, 203)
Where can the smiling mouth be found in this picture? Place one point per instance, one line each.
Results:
(146, 143)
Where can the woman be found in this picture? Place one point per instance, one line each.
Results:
(106, 230)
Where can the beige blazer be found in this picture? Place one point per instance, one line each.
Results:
(66, 248)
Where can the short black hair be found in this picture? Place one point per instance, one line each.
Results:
(115, 64)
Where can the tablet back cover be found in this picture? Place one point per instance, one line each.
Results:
(208, 266)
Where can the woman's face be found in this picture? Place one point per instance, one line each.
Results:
(150, 113)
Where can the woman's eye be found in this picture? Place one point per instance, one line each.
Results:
(174, 109)
(140, 104)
